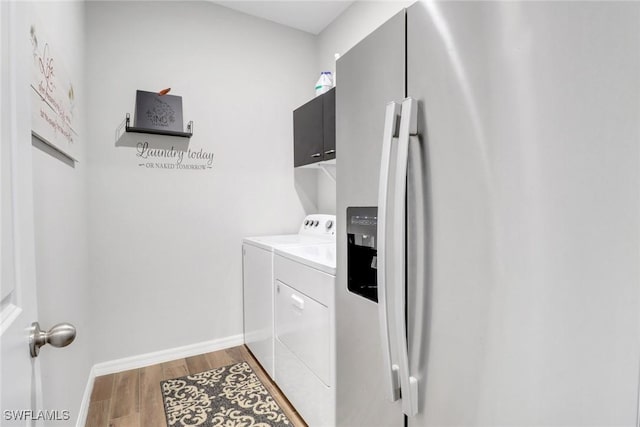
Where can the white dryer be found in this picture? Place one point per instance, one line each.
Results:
(305, 331)
(258, 281)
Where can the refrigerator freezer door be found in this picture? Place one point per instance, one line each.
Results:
(529, 127)
(371, 75)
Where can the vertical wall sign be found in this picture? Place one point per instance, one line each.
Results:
(54, 115)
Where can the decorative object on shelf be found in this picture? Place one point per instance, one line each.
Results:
(157, 110)
(157, 113)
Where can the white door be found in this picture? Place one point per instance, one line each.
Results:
(19, 375)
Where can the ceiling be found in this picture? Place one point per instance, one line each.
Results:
(311, 16)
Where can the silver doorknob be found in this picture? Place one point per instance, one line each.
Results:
(60, 335)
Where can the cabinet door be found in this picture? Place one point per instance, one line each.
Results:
(307, 133)
(371, 74)
(329, 124)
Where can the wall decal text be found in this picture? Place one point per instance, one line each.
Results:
(163, 158)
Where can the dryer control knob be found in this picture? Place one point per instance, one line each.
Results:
(329, 224)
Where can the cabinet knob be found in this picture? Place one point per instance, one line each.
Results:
(316, 155)
(330, 152)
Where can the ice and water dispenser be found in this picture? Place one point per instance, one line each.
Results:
(362, 226)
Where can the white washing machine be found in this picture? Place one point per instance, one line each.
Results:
(258, 280)
(305, 330)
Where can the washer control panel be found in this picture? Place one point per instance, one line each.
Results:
(319, 225)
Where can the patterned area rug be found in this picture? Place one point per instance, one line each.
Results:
(231, 396)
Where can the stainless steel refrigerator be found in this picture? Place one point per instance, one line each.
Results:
(488, 206)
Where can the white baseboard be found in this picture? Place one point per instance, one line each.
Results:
(142, 360)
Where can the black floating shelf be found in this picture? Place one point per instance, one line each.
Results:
(187, 134)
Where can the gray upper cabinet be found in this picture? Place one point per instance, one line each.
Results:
(329, 124)
(314, 130)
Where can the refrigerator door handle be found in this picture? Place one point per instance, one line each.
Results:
(408, 127)
(392, 382)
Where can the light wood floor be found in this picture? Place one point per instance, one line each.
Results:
(133, 398)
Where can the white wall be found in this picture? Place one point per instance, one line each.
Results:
(61, 224)
(166, 244)
(354, 24)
